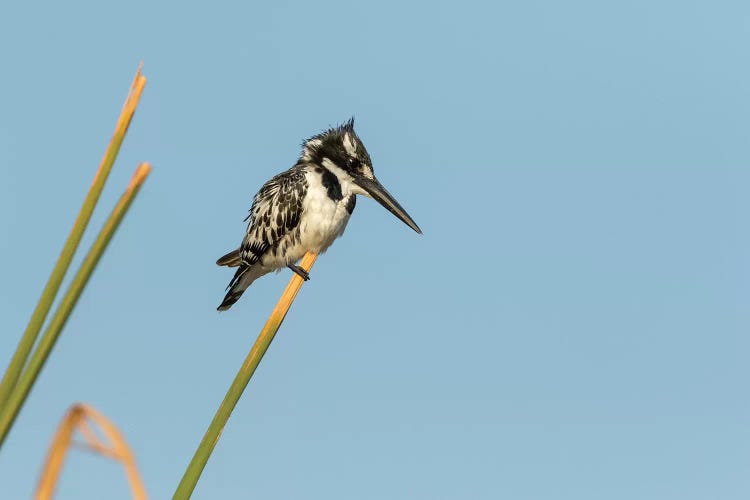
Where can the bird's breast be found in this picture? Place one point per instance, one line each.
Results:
(326, 211)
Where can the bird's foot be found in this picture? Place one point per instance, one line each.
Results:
(299, 271)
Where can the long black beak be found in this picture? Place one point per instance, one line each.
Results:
(382, 196)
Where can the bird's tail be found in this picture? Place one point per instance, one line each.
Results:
(232, 259)
(242, 279)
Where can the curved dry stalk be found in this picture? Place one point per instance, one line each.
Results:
(79, 417)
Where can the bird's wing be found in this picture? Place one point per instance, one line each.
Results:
(275, 212)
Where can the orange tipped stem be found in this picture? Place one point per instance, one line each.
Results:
(9, 411)
(30, 335)
(207, 445)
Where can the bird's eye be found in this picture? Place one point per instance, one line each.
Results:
(352, 163)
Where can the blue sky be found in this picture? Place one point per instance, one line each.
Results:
(571, 325)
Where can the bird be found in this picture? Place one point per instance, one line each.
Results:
(305, 208)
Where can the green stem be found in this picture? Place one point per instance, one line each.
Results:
(18, 396)
(18, 361)
(208, 443)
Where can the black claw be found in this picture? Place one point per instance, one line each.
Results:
(299, 271)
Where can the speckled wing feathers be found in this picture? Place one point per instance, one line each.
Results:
(274, 219)
(275, 213)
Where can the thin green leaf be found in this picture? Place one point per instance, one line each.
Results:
(207, 445)
(9, 411)
(18, 361)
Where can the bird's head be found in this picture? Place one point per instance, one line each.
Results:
(340, 151)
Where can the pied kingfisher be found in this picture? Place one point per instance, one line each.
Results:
(306, 208)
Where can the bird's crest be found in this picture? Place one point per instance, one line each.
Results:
(338, 131)
(336, 143)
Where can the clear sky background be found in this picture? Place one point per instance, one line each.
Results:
(573, 324)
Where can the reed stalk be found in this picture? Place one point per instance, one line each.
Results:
(208, 443)
(10, 410)
(30, 335)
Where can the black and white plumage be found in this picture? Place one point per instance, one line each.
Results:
(306, 208)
